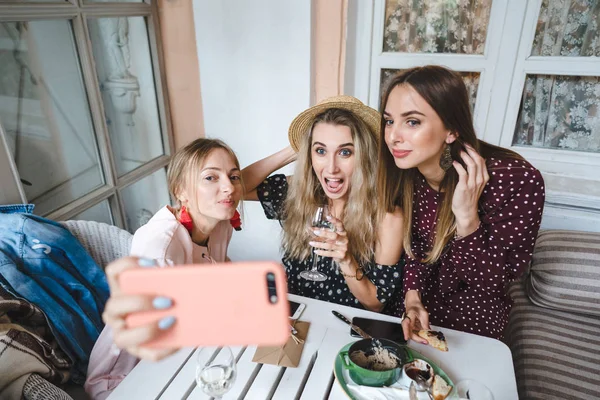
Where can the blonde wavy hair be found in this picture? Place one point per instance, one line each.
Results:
(305, 193)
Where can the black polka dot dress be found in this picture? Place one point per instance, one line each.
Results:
(466, 288)
(387, 278)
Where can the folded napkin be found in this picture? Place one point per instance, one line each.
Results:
(394, 392)
(377, 393)
(287, 355)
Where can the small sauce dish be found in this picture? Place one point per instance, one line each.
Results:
(421, 372)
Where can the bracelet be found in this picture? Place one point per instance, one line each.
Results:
(356, 274)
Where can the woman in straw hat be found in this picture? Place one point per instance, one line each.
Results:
(335, 144)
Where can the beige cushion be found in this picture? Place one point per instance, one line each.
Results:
(565, 272)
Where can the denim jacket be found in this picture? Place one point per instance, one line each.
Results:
(41, 262)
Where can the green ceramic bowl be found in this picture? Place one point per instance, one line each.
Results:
(369, 377)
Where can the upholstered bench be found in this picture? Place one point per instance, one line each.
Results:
(554, 326)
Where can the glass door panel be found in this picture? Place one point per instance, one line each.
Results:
(45, 113)
(124, 66)
(100, 213)
(144, 198)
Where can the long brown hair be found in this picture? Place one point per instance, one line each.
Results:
(305, 192)
(445, 91)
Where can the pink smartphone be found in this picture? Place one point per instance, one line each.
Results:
(239, 303)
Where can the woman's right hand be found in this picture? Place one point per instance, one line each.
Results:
(415, 318)
(119, 305)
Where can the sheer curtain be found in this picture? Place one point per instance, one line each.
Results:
(436, 26)
(563, 111)
(560, 112)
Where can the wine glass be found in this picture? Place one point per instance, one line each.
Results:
(216, 377)
(469, 389)
(319, 220)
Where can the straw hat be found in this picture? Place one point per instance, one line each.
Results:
(301, 125)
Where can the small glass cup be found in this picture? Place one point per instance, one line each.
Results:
(216, 377)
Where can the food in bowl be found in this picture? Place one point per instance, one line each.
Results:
(419, 371)
(422, 373)
(379, 359)
(374, 362)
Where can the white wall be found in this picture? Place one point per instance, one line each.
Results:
(255, 78)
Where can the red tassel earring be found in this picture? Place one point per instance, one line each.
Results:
(236, 221)
(185, 219)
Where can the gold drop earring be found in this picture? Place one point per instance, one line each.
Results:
(446, 158)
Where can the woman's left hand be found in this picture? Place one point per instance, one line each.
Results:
(471, 183)
(332, 243)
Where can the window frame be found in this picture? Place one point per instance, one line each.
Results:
(556, 164)
(484, 64)
(78, 12)
(498, 103)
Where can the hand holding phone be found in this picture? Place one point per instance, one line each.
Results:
(242, 303)
(119, 305)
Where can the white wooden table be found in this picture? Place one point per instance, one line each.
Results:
(486, 360)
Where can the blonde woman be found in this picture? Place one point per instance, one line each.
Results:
(472, 209)
(205, 178)
(335, 144)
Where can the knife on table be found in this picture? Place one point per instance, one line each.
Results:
(354, 327)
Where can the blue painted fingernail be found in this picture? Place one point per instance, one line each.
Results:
(317, 232)
(166, 322)
(146, 262)
(161, 303)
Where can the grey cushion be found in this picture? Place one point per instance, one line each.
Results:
(565, 272)
(556, 354)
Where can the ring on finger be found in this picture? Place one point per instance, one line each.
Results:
(404, 316)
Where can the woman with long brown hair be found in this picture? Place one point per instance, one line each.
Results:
(336, 144)
(471, 210)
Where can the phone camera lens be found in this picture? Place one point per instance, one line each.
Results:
(273, 299)
(271, 277)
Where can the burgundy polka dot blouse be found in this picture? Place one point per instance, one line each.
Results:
(466, 289)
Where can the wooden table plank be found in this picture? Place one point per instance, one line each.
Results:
(318, 382)
(148, 379)
(266, 381)
(293, 378)
(337, 393)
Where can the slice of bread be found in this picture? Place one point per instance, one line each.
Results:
(435, 339)
(440, 389)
